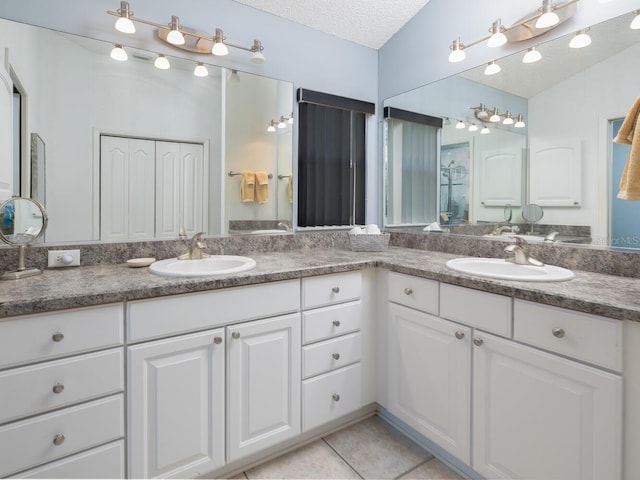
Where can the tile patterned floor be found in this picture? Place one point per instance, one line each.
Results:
(371, 449)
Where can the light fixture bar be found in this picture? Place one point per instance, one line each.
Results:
(164, 30)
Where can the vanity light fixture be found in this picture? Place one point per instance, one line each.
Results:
(532, 55)
(473, 127)
(124, 23)
(485, 130)
(272, 127)
(519, 122)
(282, 123)
(497, 38)
(508, 119)
(118, 53)
(290, 119)
(460, 125)
(635, 23)
(183, 37)
(548, 17)
(540, 21)
(481, 112)
(200, 70)
(581, 39)
(492, 68)
(162, 63)
(495, 116)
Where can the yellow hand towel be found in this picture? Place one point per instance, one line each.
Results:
(290, 189)
(247, 187)
(262, 187)
(629, 134)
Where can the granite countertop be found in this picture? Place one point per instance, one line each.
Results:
(606, 295)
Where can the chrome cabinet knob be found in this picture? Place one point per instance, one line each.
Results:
(58, 439)
(235, 335)
(478, 341)
(335, 289)
(57, 337)
(336, 323)
(558, 332)
(336, 397)
(217, 340)
(459, 335)
(336, 356)
(58, 388)
(408, 291)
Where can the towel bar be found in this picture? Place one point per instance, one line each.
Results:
(233, 174)
(283, 176)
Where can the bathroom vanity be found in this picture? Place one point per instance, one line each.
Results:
(146, 376)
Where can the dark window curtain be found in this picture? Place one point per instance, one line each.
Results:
(331, 166)
(419, 176)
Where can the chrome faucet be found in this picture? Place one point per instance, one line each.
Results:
(505, 228)
(195, 248)
(520, 255)
(551, 237)
(284, 226)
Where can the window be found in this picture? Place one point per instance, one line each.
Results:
(331, 159)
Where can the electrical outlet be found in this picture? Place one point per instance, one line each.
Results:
(64, 258)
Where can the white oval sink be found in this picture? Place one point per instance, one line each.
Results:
(273, 230)
(213, 265)
(501, 269)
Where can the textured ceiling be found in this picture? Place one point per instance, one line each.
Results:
(367, 22)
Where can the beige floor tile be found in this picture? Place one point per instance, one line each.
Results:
(375, 449)
(434, 469)
(316, 460)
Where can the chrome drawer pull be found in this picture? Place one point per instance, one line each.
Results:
(408, 291)
(336, 323)
(235, 335)
(478, 341)
(459, 335)
(336, 397)
(217, 340)
(57, 337)
(58, 439)
(336, 356)
(558, 332)
(335, 289)
(58, 388)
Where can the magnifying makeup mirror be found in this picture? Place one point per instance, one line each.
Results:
(22, 222)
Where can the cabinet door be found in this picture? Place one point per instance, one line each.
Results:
(176, 406)
(429, 377)
(264, 384)
(537, 415)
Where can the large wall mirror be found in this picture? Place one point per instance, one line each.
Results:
(562, 158)
(134, 152)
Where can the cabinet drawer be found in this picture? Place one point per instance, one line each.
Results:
(330, 289)
(331, 354)
(586, 337)
(413, 292)
(82, 426)
(31, 338)
(330, 396)
(162, 317)
(33, 388)
(102, 462)
(486, 311)
(328, 322)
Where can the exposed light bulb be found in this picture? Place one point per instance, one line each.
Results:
(497, 38)
(175, 36)
(531, 56)
(635, 23)
(162, 62)
(492, 68)
(219, 48)
(520, 122)
(549, 18)
(485, 130)
(473, 127)
(580, 40)
(124, 23)
(200, 70)
(119, 54)
(460, 125)
(457, 53)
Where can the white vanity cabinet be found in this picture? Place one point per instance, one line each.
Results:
(331, 355)
(429, 366)
(61, 401)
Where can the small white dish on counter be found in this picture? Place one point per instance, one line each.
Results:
(140, 262)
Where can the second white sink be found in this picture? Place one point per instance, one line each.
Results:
(501, 269)
(213, 265)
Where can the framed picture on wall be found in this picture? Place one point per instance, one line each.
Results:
(38, 169)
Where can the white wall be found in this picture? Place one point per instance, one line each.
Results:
(570, 110)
